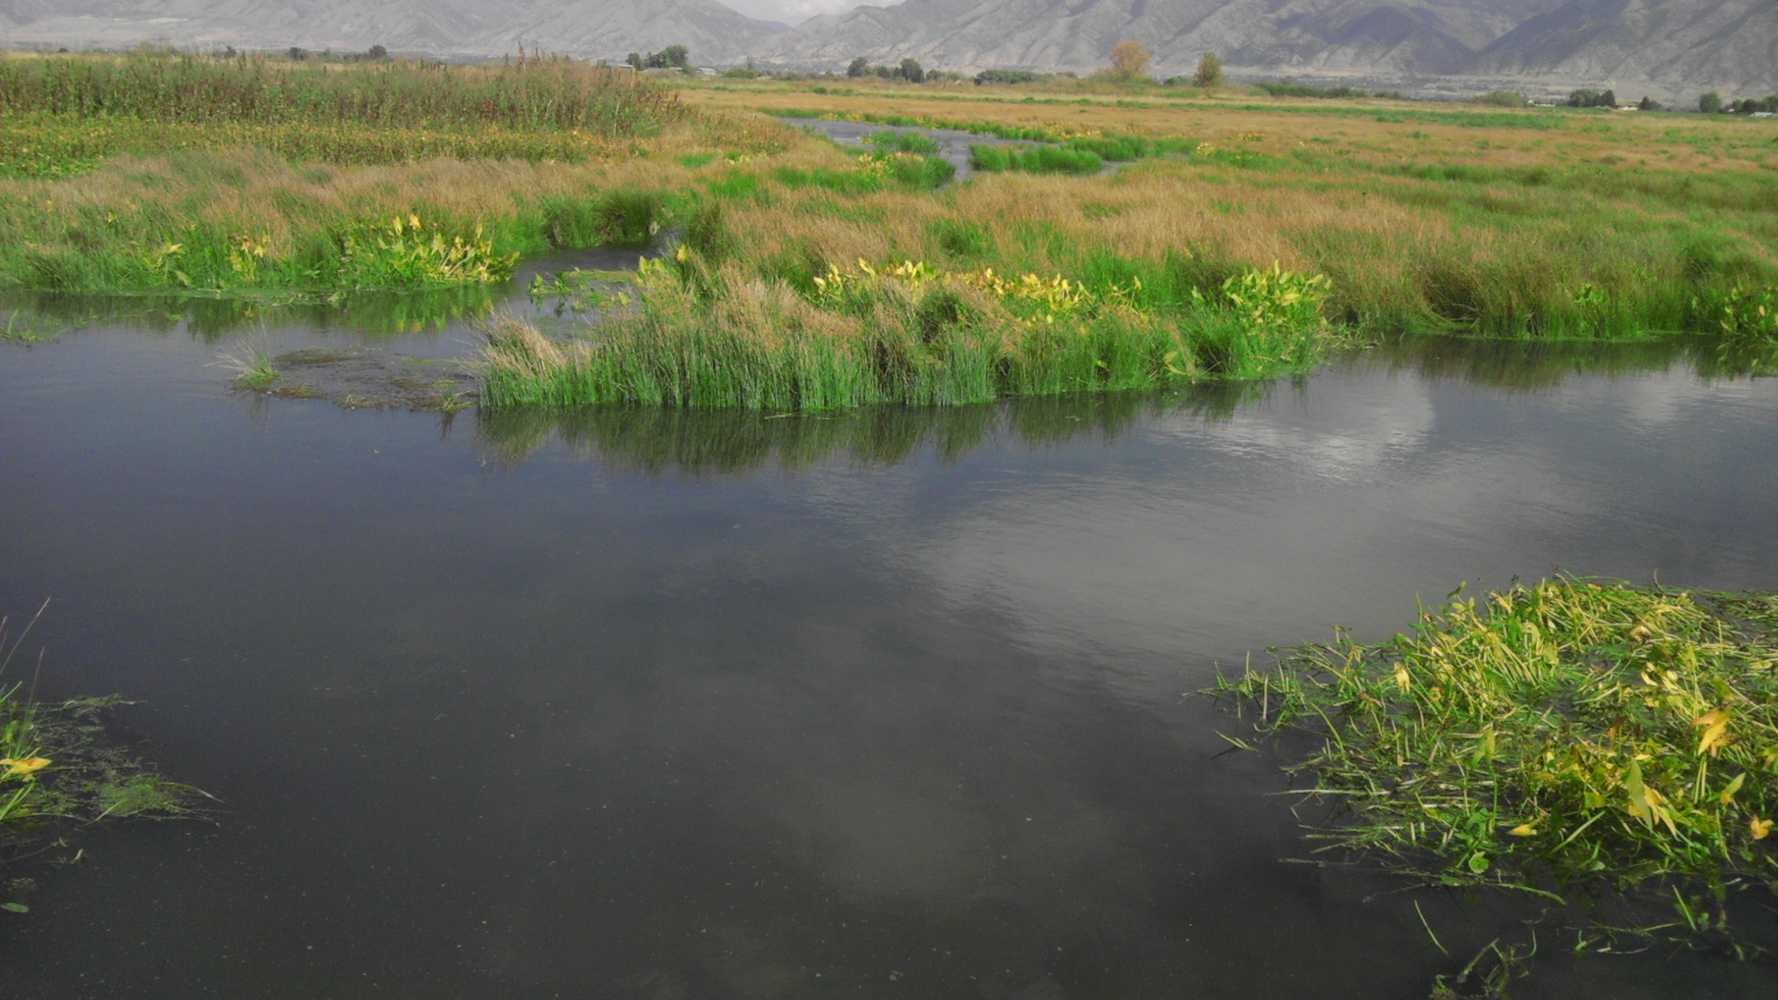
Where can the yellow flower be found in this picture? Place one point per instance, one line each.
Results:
(1761, 828)
(1523, 830)
(26, 766)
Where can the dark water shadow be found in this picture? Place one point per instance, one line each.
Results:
(1538, 365)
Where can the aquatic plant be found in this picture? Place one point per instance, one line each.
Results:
(58, 769)
(407, 252)
(251, 366)
(1745, 314)
(1558, 734)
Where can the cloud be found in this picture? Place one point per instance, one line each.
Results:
(794, 11)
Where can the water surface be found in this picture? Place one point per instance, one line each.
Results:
(889, 704)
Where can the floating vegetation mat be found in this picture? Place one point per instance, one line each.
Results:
(1563, 739)
(62, 770)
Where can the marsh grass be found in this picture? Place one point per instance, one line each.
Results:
(526, 94)
(1554, 737)
(709, 334)
(250, 365)
(1036, 160)
(1583, 228)
(902, 142)
(61, 771)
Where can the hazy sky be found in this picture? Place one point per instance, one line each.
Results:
(792, 11)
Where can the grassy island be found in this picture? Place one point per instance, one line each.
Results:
(1126, 240)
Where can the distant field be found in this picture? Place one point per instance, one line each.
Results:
(1240, 236)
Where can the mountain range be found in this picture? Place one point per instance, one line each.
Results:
(1670, 48)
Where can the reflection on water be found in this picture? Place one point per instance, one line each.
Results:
(1543, 365)
(656, 439)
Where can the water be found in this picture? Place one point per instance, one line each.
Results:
(954, 146)
(892, 704)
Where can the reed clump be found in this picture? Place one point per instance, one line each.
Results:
(528, 94)
(709, 333)
(63, 115)
(1552, 735)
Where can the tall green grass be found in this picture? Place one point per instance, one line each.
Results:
(326, 248)
(711, 336)
(1036, 160)
(901, 142)
(526, 94)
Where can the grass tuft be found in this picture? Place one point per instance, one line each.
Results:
(1565, 733)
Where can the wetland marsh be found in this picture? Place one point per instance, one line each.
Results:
(669, 553)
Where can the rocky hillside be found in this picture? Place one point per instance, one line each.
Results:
(1672, 49)
(1667, 46)
(591, 28)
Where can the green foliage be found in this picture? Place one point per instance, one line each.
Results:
(1563, 732)
(1744, 314)
(1036, 160)
(919, 173)
(50, 146)
(1126, 148)
(1281, 88)
(909, 334)
(529, 94)
(901, 142)
(252, 366)
(411, 253)
(1209, 71)
(1710, 103)
(1274, 299)
(1006, 77)
(962, 238)
(59, 772)
(1503, 99)
(1592, 99)
(909, 70)
(671, 57)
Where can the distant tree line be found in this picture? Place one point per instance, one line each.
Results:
(1007, 76)
(909, 70)
(296, 53)
(1713, 104)
(1592, 99)
(671, 57)
(1285, 88)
